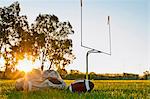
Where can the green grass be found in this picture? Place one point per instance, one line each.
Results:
(104, 89)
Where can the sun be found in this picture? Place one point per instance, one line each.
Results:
(27, 65)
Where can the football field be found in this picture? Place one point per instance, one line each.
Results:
(103, 89)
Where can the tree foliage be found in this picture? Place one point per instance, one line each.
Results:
(11, 27)
(57, 43)
(17, 38)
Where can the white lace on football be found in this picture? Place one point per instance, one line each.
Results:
(70, 88)
(87, 85)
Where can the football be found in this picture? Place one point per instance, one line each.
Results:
(81, 86)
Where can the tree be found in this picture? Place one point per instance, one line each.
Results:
(10, 24)
(16, 38)
(63, 72)
(146, 74)
(75, 72)
(92, 75)
(58, 46)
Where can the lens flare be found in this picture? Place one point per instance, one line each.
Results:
(27, 65)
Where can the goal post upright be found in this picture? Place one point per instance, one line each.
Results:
(92, 50)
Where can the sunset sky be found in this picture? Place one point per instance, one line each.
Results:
(130, 28)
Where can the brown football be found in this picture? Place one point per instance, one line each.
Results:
(81, 86)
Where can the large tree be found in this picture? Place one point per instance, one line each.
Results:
(16, 38)
(58, 46)
(11, 25)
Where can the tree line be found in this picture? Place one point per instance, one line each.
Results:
(76, 75)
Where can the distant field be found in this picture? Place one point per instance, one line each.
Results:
(104, 89)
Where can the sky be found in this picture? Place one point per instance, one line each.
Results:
(130, 31)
